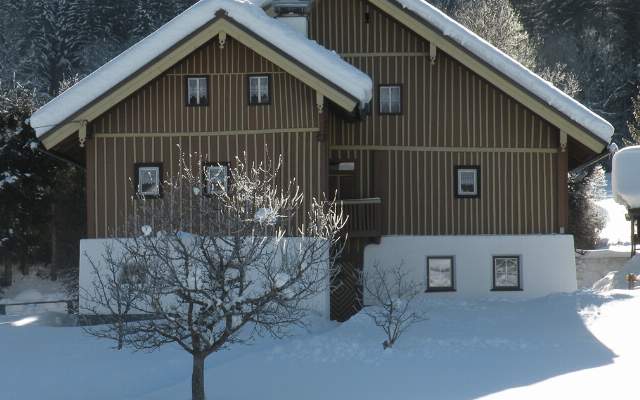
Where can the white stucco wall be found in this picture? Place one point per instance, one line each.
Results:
(93, 249)
(548, 262)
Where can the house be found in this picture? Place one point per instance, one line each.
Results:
(450, 157)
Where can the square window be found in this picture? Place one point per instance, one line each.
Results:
(259, 90)
(467, 182)
(506, 273)
(390, 99)
(197, 91)
(216, 177)
(440, 274)
(148, 180)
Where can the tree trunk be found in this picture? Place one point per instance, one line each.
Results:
(197, 378)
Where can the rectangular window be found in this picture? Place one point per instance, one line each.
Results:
(440, 274)
(259, 90)
(148, 180)
(216, 177)
(506, 273)
(197, 91)
(467, 182)
(390, 99)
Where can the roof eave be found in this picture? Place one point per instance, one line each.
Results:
(571, 127)
(222, 22)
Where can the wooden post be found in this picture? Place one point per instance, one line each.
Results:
(323, 142)
(563, 184)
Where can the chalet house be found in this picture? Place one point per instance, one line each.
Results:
(450, 157)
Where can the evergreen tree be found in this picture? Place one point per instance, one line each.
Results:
(586, 218)
(58, 31)
(24, 181)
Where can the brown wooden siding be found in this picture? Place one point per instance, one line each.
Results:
(151, 124)
(159, 107)
(451, 116)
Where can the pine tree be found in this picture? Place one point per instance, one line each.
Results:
(24, 181)
(58, 30)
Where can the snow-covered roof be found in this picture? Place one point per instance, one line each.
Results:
(482, 49)
(249, 14)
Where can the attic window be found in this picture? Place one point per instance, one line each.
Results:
(197, 91)
(390, 99)
(259, 90)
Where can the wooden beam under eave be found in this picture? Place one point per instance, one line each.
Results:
(563, 184)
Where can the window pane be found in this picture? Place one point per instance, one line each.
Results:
(467, 182)
(192, 91)
(440, 273)
(149, 181)
(395, 94)
(507, 272)
(217, 177)
(264, 89)
(202, 92)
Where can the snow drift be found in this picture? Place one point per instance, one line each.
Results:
(616, 279)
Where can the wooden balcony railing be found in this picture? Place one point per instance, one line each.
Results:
(364, 217)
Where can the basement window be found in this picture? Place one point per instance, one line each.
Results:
(440, 275)
(390, 99)
(148, 180)
(506, 273)
(467, 182)
(259, 90)
(197, 91)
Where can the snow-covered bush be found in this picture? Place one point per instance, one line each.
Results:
(219, 261)
(393, 294)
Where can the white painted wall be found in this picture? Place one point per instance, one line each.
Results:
(548, 262)
(93, 249)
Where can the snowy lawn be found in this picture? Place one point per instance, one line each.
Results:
(583, 345)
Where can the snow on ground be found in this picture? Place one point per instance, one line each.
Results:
(31, 288)
(579, 344)
(617, 231)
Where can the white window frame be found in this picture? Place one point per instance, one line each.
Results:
(498, 286)
(260, 91)
(212, 187)
(460, 192)
(452, 266)
(143, 170)
(201, 82)
(386, 108)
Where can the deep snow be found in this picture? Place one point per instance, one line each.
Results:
(579, 344)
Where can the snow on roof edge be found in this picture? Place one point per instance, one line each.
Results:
(247, 13)
(546, 91)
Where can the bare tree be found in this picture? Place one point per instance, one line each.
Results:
(225, 257)
(114, 291)
(499, 23)
(392, 295)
